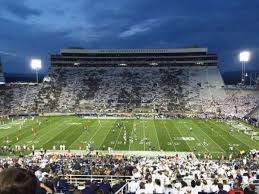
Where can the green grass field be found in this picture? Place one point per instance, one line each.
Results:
(208, 136)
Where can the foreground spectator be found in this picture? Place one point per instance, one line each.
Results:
(250, 189)
(158, 187)
(105, 186)
(221, 189)
(236, 189)
(45, 185)
(17, 181)
(89, 189)
(141, 189)
(150, 188)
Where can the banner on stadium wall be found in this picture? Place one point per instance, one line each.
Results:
(57, 114)
(86, 113)
(24, 115)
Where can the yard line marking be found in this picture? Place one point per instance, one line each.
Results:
(169, 135)
(86, 131)
(117, 139)
(234, 137)
(92, 124)
(156, 135)
(144, 142)
(98, 128)
(131, 136)
(197, 139)
(107, 135)
(44, 141)
(209, 137)
(215, 131)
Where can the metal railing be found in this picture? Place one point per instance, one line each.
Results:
(255, 182)
(123, 189)
(80, 179)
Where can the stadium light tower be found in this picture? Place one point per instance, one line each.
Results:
(244, 57)
(36, 65)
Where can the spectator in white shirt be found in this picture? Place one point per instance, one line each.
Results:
(169, 189)
(141, 189)
(150, 188)
(214, 186)
(178, 189)
(226, 187)
(189, 190)
(194, 188)
(245, 178)
(158, 187)
(205, 187)
(133, 186)
(198, 186)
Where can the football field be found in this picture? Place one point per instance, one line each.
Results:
(174, 135)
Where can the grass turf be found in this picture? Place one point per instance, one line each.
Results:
(206, 136)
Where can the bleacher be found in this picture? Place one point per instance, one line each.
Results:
(147, 90)
(124, 173)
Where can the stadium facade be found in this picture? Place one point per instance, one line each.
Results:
(149, 82)
(135, 57)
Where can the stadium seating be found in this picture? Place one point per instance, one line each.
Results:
(147, 90)
(111, 173)
(17, 98)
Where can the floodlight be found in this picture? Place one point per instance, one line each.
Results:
(244, 56)
(36, 65)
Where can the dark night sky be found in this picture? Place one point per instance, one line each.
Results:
(38, 28)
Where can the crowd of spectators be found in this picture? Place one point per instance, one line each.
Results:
(165, 90)
(148, 175)
(235, 106)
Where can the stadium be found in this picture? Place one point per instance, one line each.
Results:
(129, 97)
(129, 102)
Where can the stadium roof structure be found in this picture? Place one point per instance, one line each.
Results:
(69, 57)
(179, 50)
